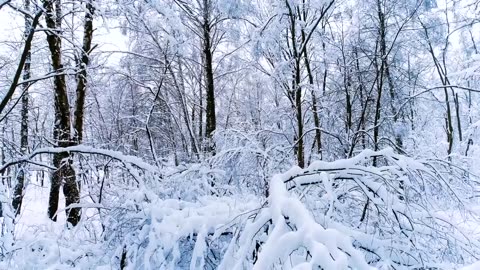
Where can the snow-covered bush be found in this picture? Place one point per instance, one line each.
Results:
(347, 214)
(405, 214)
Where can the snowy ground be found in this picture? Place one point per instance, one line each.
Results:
(50, 245)
(41, 243)
(33, 217)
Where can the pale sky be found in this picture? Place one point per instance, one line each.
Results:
(107, 34)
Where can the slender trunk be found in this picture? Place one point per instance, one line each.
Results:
(457, 113)
(376, 123)
(316, 119)
(449, 125)
(388, 75)
(180, 86)
(470, 140)
(20, 185)
(363, 100)
(200, 118)
(209, 84)
(381, 73)
(393, 109)
(297, 90)
(298, 105)
(82, 73)
(123, 259)
(448, 117)
(443, 71)
(200, 102)
(378, 108)
(191, 129)
(348, 103)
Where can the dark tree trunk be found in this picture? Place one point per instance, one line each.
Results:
(82, 73)
(123, 259)
(316, 119)
(296, 91)
(56, 183)
(209, 84)
(380, 76)
(61, 133)
(20, 185)
(72, 194)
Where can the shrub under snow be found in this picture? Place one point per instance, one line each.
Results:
(347, 214)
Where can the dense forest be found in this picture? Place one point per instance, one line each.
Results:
(240, 134)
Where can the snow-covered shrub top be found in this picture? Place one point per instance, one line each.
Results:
(347, 214)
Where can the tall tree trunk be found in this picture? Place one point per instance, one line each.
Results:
(82, 73)
(61, 133)
(448, 117)
(209, 84)
(200, 102)
(378, 108)
(297, 90)
(380, 76)
(386, 72)
(180, 86)
(316, 119)
(393, 109)
(20, 185)
(298, 106)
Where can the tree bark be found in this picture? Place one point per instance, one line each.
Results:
(380, 76)
(316, 119)
(209, 83)
(82, 73)
(61, 133)
(20, 185)
(296, 90)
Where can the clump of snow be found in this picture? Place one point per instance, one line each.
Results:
(474, 266)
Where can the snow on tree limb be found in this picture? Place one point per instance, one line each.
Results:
(83, 149)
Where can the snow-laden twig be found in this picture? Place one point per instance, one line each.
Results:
(119, 156)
